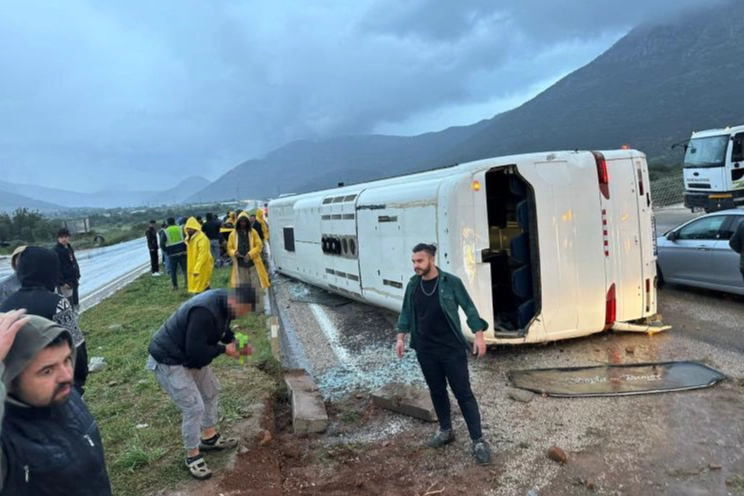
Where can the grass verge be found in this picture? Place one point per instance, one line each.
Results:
(141, 427)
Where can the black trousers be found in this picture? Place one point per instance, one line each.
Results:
(441, 369)
(154, 261)
(176, 261)
(81, 368)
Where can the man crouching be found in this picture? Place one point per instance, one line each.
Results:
(180, 355)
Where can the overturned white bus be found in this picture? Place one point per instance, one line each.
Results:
(550, 246)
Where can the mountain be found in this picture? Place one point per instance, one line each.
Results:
(651, 89)
(304, 165)
(10, 201)
(180, 193)
(105, 199)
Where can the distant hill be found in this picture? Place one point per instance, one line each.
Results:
(11, 201)
(651, 89)
(105, 199)
(301, 165)
(180, 193)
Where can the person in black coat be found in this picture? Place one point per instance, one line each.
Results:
(180, 356)
(736, 244)
(37, 271)
(152, 244)
(69, 270)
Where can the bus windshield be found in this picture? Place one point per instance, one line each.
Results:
(707, 152)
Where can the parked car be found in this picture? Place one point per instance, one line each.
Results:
(697, 253)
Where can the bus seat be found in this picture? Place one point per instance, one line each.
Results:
(520, 248)
(523, 215)
(526, 313)
(522, 282)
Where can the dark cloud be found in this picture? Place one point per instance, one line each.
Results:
(143, 94)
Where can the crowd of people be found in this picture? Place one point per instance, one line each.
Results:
(50, 443)
(195, 247)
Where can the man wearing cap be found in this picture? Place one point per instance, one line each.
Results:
(50, 441)
(180, 356)
(11, 284)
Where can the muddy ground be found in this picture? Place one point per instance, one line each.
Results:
(687, 443)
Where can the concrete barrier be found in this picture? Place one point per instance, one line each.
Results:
(308, 409)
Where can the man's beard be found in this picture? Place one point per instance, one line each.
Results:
(61, 387)
(425, 272)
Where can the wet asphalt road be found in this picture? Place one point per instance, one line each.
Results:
(101, 266)
(705, 316)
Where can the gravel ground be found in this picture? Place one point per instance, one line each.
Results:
(624, 445)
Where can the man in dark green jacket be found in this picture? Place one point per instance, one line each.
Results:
(430, 316)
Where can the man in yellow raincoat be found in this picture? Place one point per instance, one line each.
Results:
(245, 246)
(264, 224)
(200, 262)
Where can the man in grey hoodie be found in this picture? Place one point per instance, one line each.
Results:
(50, 443)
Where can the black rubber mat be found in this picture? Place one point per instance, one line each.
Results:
(617, 380)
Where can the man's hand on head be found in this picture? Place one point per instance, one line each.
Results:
(10, 324)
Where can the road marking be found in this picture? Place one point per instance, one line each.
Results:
(331, 334)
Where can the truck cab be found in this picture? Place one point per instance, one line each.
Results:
(714, 169)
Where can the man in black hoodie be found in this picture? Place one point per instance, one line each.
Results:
(69, 270)
(37, 270)
(50, 443)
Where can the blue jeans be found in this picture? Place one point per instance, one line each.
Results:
(452, 368)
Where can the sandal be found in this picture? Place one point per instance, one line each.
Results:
(217, 443)
(198, 468)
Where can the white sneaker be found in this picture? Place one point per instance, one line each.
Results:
(156, 274)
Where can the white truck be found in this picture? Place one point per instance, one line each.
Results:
(549, 245)
(714, 169)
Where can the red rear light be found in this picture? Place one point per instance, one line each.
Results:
(611, 308)
(602, 174)
(648, 295)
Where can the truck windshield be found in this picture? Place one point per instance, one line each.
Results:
(707, 152)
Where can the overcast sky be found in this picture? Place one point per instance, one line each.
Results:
(140, 94)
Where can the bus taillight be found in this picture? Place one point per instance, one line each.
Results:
(611, 308)
(603, 174)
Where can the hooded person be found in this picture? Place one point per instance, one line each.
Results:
(11, 284)
(264, 225)
(199, 257)
(37, 271)
(244, 246)
(50, 441)
(228, 226)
